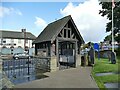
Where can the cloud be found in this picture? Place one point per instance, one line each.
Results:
(86, 16)
(40, 23)
(7, 11)
(19, 13)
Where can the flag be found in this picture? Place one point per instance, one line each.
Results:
(113, 3)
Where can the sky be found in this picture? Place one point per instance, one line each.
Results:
(34, 17)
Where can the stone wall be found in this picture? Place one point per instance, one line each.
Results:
(53, 63)
(42, 64)
(4, 81)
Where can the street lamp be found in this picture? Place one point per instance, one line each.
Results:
(28, 56)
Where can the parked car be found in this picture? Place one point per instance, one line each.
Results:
(21, 56)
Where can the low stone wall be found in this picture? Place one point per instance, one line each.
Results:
(4, 81)
(53, 64)
(42, 64)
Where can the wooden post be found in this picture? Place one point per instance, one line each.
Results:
(24, 39)
(63, 32)
(76, 48)
(36, 49)
(49, 49)
(75, 53)
(57, 51)
(66, 33)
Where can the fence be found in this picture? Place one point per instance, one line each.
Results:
(9, 51)
(24, 70)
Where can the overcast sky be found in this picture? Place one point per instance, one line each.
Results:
(35, 16)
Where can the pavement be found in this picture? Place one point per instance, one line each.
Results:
(68, 78)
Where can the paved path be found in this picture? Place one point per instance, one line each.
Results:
(69, 78)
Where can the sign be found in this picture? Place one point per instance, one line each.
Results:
(96, 46)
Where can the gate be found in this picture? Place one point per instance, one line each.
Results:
(24, 70)
(66, 62)
(66, 54)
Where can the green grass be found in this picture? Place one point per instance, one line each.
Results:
(101, 66)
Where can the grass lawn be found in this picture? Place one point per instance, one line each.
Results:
(103, 65)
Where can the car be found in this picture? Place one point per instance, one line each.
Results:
(21, 56)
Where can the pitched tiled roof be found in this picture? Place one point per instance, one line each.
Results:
(16, 35)
(52, 30)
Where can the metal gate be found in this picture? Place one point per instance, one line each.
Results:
(24, 70)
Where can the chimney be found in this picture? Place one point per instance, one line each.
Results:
(23, 30)
(24, 33)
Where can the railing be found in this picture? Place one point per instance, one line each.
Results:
(20, 68)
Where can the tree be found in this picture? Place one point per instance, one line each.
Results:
(108, 38)
(107, 11)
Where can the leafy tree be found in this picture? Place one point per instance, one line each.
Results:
(108, 38)
(107, 11)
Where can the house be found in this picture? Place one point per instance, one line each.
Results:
(12, 42)
(61, 41)
(14, 39)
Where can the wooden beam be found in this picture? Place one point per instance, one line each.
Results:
(72, 35)
(66, 33)
(35, 49)
(47, 49)
(76, 47)
(61, 34)
(66, 39)
(67, 28)
(57, 54)
(66, 25)
(75, 37)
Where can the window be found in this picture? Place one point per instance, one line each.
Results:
(4, 40)
(12, 40)
(64, 33)
(19, 40)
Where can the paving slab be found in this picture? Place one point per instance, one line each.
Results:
(69, 78)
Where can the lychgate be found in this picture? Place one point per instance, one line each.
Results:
(61, 41)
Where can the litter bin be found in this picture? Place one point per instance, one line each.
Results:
(113, 57)
(83, 60)
(89, 62)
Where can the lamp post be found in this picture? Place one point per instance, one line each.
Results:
(29, 43)
(28, 56)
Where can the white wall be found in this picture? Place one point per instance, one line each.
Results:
(18, 42)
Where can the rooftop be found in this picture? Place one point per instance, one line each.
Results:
(16, 35)
(53, 29)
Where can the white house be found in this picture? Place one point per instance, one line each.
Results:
(15, 39)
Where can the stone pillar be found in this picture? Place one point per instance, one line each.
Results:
(78, 60)
(53, 63)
